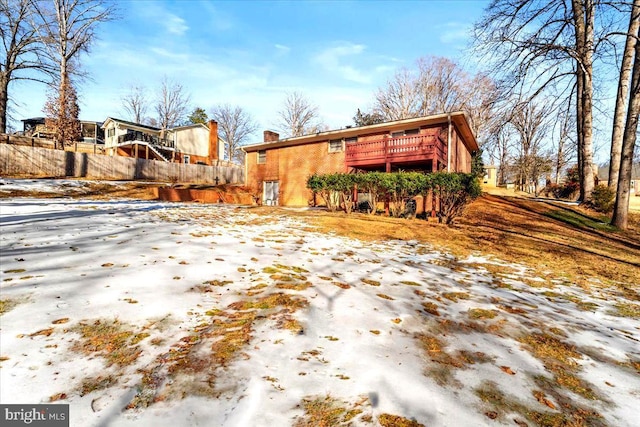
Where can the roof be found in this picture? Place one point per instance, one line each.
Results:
(458, 118)
(126, 122)
(194, 125)
(603, 172)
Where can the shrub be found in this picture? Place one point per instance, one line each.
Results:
(371, 183)
(455, 191)
(602, 198)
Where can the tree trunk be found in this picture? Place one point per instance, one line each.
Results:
(62, 104)
(621, 207)
(4, 101)
(584, 23)
(622, 97)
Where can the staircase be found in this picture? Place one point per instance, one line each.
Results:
(152, 147)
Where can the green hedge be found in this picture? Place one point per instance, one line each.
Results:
(453, 190)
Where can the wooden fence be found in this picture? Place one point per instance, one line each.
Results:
(33, 160)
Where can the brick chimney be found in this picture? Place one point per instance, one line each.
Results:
(270, 136)
(213, 141)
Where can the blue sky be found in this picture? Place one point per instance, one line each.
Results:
(252, 53)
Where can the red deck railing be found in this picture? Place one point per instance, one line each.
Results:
(413, 148)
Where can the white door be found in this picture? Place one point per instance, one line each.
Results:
(270, 193)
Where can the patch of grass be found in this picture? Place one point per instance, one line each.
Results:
(388, 420)
(111, 340)
(550, 349)
(385, 296)
(90, 385)
(580, 221)
(481, 313)
(291, 268)
(271, 301)
(370, 282)
(627, 309)
(216, 282)
(455, 296)
(7, 305)
(409, 283)
(300, 286)
(431, 308)
(15, 270)
(560, 359)
(328, 411)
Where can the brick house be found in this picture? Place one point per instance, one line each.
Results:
(278, 169)
(198, 143)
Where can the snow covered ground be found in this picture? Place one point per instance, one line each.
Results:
(158, 314)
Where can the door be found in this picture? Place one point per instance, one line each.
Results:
(270, 193)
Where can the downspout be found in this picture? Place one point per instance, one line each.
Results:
(246, 161)
(449, 143)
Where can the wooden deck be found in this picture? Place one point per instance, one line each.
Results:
(404, 149)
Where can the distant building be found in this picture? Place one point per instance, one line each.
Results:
(196, 144)
(490, 178)
(35, 127)
(603, 177)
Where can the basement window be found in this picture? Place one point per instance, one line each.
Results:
(335, 145)
(262, 156)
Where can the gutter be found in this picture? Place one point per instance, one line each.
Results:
(449, 143)
(246, 160)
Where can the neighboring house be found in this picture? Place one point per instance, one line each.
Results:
(603, 177)
(490, 178)
(196, 144)
(278, 168)
(35, 127)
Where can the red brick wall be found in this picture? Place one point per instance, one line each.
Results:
(291, 166)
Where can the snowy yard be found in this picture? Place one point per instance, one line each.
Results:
(159, 314)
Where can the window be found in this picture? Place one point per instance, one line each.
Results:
(397, 134)
(262, 156)
(412, 132)
(186, 158)
(352, 140)
(335, 145)
(111, 132)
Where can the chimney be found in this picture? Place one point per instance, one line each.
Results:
(270, 136)
(213, 141)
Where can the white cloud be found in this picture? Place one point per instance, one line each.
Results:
(175, 24)
(455, 33)
(282, 49)
(331, 59)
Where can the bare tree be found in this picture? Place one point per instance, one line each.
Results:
(22, 50)
(566, 143)
(621, 206)
(298, 115)
(63, 120)
(438, 85)
(172, 103)
(443, 85)
(236, 125)
(68, 30)
(400, 98)
(529, 121)
(135, 103)
(536, 46)
(623, 94)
